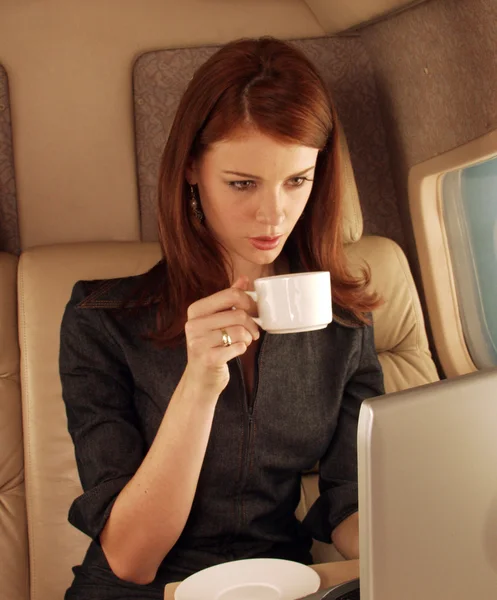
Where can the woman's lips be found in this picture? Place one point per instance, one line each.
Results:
(265, 243)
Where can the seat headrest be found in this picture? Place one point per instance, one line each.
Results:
(399, 328)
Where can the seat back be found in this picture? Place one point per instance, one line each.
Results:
(46, 277)
(13, 535)
(400, 334)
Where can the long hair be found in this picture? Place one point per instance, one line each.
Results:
(269, 85)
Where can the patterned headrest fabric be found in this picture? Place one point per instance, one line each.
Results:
(9, 236)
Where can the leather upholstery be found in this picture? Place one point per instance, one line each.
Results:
(400, 335)
(13, 535)
(46, 277)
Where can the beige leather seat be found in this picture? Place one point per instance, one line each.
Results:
(46, 277)
(14, 578)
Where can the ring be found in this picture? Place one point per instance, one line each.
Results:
(226, 338)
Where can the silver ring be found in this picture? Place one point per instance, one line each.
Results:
(226, 338)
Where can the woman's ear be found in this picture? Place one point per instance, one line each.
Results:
(191, 172)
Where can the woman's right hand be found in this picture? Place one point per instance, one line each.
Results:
(206, 320)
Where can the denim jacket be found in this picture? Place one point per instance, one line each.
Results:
(304, 410)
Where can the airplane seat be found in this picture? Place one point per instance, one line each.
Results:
(46, 276)
(13, 534)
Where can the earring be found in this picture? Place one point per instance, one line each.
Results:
(197, 211)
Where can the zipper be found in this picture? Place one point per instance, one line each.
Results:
(250, 401)
(249, 404)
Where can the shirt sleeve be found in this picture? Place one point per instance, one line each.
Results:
(338, 486)
(97, 389)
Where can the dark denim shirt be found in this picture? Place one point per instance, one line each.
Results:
(304, 410)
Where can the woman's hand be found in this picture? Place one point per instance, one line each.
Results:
(226, 311)
(345, 537)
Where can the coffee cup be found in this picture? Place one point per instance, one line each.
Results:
(293, 303)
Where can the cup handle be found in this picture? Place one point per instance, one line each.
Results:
(253, 295)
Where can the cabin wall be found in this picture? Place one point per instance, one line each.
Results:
(436, 76)
(340, 15)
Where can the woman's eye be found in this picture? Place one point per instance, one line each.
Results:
(242, 185)
(298, 181)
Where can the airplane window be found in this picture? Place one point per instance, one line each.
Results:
(469, 201)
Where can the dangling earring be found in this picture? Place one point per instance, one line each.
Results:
(197, 211)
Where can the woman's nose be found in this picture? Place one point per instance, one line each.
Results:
(270, 211)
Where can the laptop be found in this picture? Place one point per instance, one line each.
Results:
(428, 492)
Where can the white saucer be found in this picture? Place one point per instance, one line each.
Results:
(252, 579)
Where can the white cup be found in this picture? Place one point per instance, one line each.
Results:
(293, 303)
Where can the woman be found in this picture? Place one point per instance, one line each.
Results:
(192, 427)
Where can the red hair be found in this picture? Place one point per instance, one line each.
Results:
(271, 86)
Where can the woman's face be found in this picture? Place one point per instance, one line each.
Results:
(253, 189)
